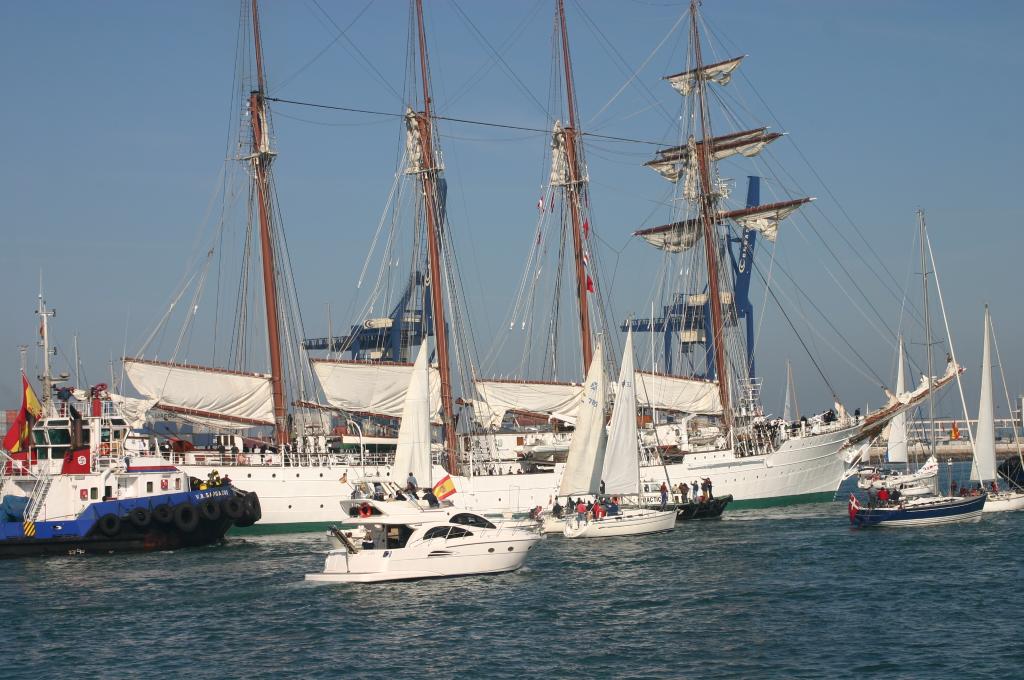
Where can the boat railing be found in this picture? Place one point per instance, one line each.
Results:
(230, 459)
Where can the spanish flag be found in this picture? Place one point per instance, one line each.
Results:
(444, 488)
(954, 434)
(19, 436)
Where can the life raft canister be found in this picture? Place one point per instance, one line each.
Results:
(365, 510)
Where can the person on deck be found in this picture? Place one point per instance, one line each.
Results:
(953, 488)
(695, 486)
(613, 507)
(883, 496)
(710, 493)
(684, 491)
(664, 495)
(581, 512)
(556, 510)
(599, 510)
(411, 485)
(894, 497)
(431, 499)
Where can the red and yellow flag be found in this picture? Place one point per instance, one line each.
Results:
(954, 434)
(19, 436)
(444, 488)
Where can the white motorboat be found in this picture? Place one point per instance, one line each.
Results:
(408, 545)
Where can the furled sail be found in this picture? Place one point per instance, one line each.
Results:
(413, 143)
(765, 218)
(679, 236)
(412, 452)
(898, 425)
(219, 396)
(559, 157)
(671, 163)
(621, 473)
(556, 400)
(675, 393)
(720, 73)
(364, 387)
(584, 462)
(985, 440)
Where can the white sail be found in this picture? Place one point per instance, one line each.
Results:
(678, 236)
(621, 473)
(412, 452)
(720, 73)
(364, 387)
(788, 409)
(985, 439)
(585, 460)
(674, 393)
(134, 410)
(556, 400)
(226, 398)
(673, 162)
(898, 425)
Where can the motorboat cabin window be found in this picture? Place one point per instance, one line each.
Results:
(149, 487)
(459, 532)
(468, 519)
(61, 436)
(436, 532)
(398, 536)
(39, 437)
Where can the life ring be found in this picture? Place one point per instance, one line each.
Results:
(365, 510)
(104, 449)
(242, 459)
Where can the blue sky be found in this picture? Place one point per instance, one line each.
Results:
(117, 117)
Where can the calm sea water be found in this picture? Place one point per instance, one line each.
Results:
(788, 592)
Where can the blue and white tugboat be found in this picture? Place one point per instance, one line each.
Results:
(80, 484)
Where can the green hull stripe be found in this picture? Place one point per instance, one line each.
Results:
(289, 528)
(819, 497)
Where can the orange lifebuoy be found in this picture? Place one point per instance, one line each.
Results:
(104, 449)
(365, 510)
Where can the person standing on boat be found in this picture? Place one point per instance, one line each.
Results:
(556, 510)
(695, 486)
(710, 493)
(684, 491)
(581, 512)
(664, 495)
(411, 486)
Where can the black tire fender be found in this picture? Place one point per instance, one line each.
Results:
(163, 513)
(186, 517)
(109, 524)
(140, 517)
(233, 507)
(209, 510)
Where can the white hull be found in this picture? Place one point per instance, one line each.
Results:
(1005, 501)
(310, 494)
(629, 523)
(430, 559)
(803, 467)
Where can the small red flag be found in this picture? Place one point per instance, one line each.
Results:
(590, 284)
(586, 228)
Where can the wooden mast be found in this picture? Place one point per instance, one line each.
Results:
(574, 199)
(708, 218)
(261, 158)
(428, 177)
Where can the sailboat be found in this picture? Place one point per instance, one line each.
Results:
(893, 510)
(919, 482)
(609, 463)
(984, 466)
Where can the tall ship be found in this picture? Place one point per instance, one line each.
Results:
(305, 434)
